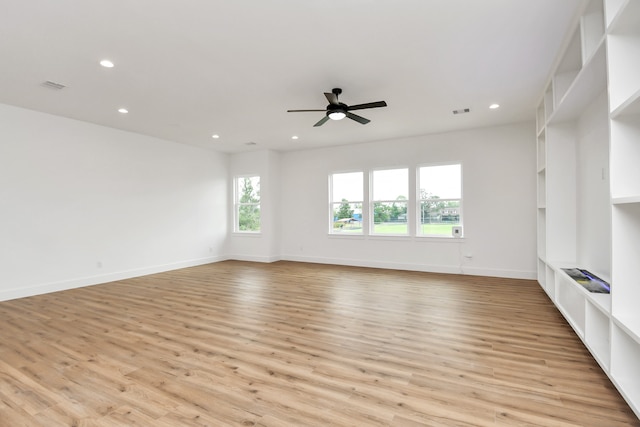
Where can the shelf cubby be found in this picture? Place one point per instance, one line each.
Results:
(611, 10)
(626, 254)
(542, 152)
(568, 69)
(625, 366)
(551, 283)
(542, 221)
(542, 273)
(548, 102)
(590, 82)
(571, 302)
(623, 44)
(597, 336)
(591, 28)
(541, 118)
(625, 157)
(542, 198)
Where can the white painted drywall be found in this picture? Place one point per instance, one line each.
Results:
(498, 194)
(264, 246)
(82, 204)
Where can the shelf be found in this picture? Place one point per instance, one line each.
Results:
(597, 335)
(548, 103)
(625, 200)
(586, 86)
(623, 47)
(542, 152)
(612, 9)
(625, 158)
(541, 119)
(571, 302)
(542, 273)
(625, 253)
(551, 283)
(542, 186)
(629, 107)
(630, 326)
(591, 28)
(627, 17)
(625, 369)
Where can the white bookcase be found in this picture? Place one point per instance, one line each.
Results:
(588, 142)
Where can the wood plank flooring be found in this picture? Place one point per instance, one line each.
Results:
(245, 344)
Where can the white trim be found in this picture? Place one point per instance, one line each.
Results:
(426, 268)
(79, 282)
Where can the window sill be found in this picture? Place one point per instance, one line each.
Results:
(247, 233)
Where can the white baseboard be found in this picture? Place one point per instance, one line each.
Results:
(449, 269)
(45, 288)
(254, 258)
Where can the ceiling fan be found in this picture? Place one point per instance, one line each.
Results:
(337, 110)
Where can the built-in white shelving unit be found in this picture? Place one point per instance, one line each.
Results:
(588, 166)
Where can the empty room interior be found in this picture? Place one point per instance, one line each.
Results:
(336, 213)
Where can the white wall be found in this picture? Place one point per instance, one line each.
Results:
(82, 204)
(265, 246)
(499, 200)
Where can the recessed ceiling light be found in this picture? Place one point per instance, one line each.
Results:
(494, 106)
(215, 136)
(106, 63)
(294, 137)
(123, 110)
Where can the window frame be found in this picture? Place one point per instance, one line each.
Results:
(332, 228)
(419, 201)
(373, 201)
(237, 204)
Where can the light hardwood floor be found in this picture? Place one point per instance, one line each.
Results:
(245, 344)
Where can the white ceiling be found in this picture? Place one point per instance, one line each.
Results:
(187, 69)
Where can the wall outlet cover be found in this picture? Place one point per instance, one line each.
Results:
(456, 231)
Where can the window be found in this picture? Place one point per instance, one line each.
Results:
(440, 206)
(247, 204)
(389, 201)
(346, 191)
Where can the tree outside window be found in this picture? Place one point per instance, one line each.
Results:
(248, 204)
(346, 198)
(389, 204)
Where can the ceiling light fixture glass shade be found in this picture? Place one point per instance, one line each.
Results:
(337, 115)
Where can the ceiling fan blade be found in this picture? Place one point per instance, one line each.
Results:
(302, 111)
(367, 105)
(332, 98)
(322, 121)
(358, 118)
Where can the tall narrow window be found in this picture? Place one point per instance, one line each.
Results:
(346, 191)
(389, 201)
(247, 204)
(440, 199)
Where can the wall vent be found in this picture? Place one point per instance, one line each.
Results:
(461, 111)
(53, 85)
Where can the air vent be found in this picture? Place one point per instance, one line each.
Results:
(53, 85)
(461, 111)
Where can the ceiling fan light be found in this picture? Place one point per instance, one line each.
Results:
(337, 115)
